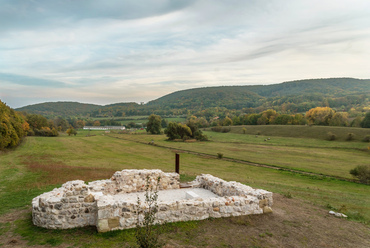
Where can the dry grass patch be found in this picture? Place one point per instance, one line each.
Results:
(56, 172)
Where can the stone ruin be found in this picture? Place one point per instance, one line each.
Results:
(111, 204)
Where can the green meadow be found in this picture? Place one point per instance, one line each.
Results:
(40, 164)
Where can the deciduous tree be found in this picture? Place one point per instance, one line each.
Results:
(12, 127)
(320, 115)
(154, 124)
(366, 121)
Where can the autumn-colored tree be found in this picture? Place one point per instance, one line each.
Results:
(81, 124)
(268, 117)
(96, 123)
(71, 131)
(320, 115)
(12, 127)
(299, 120)
(227, 121)
(40, 126)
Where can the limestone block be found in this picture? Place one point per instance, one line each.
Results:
(104, 213)
(103, 225)
(267, 209)
(113, 222)
(263, 202)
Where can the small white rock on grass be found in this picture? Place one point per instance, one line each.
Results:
(340, 215)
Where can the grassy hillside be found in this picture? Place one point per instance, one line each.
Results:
(301, 202)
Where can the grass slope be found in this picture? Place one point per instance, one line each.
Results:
(42, 163)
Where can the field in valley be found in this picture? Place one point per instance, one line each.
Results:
(302, 201)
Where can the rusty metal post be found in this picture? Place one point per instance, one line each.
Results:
(177, 163)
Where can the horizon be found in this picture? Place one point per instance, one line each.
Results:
(65, 101)
(127, 51)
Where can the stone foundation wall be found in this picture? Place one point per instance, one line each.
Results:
(122, 215)
(67, 207)
(100, 203)
(75, 203)
(223, 188)
(128, 181)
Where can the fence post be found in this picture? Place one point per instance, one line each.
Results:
(177, 163)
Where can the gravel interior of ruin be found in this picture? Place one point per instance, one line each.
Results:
(169, 195)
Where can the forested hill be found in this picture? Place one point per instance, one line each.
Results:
(231, 97)
(335, 87)
(290, 97)
(60, 108)
(306, 93)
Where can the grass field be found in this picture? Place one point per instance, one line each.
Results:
(311, 132)
(310, 155)
(42, 163)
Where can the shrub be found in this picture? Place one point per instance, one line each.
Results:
(177, 131)
(350, 136)
(220, 155)
(244, 130)
(362, 173)
(225, 130)
(146, 234)
(331, 136)
(221, 129)
(198, 135)
(366, 138)
(71, 131)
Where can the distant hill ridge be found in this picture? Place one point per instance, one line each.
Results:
(231, 97)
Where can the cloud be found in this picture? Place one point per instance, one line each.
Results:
(6, 78)
(42, 14)
(104, 51)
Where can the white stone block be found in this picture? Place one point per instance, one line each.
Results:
(191, 195)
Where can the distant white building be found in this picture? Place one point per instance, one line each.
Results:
(104, 128)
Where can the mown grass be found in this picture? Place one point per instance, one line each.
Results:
(299, 154)
(42, 163)
(312, 132)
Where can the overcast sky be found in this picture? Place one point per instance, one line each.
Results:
(113, 51)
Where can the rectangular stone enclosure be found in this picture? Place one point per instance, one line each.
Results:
(112, 204)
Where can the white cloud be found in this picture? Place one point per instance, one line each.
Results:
(138, 51)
